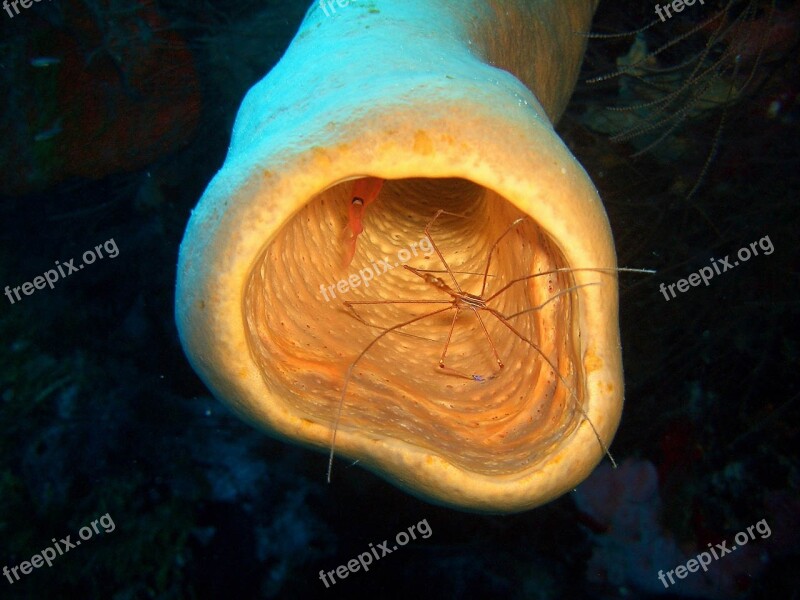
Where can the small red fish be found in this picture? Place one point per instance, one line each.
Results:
(365, 192)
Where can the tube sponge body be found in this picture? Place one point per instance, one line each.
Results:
(452, 104)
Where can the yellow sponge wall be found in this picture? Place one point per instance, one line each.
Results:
(415, 93)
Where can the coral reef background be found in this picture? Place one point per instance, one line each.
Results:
(117, 116)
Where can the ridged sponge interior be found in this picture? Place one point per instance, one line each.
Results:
(304, 338)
